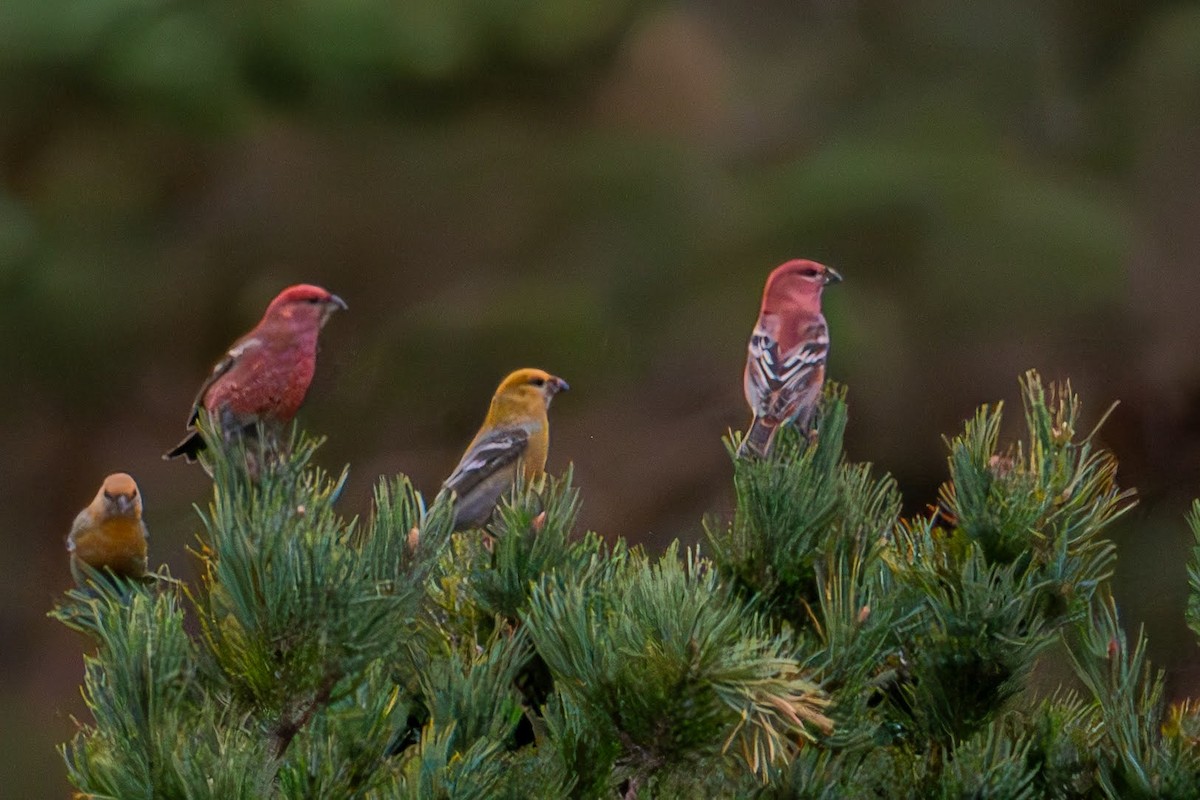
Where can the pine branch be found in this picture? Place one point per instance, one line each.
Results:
(296, 605)
(655, 655)
(293, 721)
(1064, 732)
(1141, 757)
(1042, 504)
(1193, 604)
(530, 537)
(787, 504)
(992, 764)
(473, 689)
(342, 751)
(151, 703)
(829, 650)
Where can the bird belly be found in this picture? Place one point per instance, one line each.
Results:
(118, 545)
(270, 392)
(533, 460)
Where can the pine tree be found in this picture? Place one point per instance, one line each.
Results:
(817, 645)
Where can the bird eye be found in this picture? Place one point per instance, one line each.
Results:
(810, 273)
(538, 381)
(314, 300)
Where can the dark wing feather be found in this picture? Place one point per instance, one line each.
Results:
(779, 381)
(219, 370)
(193, 443)
(487, 455)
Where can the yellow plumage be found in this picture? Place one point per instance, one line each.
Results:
(516, 431)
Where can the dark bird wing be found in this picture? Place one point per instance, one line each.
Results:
(193, 443)
(486, 470)
(489, 454)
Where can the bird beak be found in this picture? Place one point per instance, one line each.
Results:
(832, 276)
(559, 385)
(124, 503)
(332, 304)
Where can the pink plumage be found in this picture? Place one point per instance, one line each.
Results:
(785, 362)
(265, 374)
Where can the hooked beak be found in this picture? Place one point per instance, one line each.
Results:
(332, 304)
(553, 386)
(832, 276)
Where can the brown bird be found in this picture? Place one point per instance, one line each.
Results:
(265, 375)
(109, 534)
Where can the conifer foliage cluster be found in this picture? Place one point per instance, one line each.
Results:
(816, 644)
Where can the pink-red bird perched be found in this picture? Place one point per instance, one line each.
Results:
(265, 375)
(785, 362)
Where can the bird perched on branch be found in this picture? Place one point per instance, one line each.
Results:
(265, 375)
(109, 534)
(785, 363)
(515, 435)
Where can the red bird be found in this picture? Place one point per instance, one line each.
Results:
(265, 374)
(785, 365)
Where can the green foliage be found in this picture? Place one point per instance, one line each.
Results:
(798, 511)
(1022, 557)
(977, 634)
(822, 775)
(828, 650)
(530, 537)
(1142, 755)
(1041, 504)
(341, 752)
(471, 693)
(671, 633)
(153, 735)
(587, 754)
(293, 615)
(441, 772)
(991, 766)
(1063, 750)
(1193, 606)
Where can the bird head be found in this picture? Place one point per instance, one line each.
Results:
(120, 497)
(798, 284)
(304, 303)
(528, 388)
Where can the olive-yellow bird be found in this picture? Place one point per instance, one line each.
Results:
(515, 434)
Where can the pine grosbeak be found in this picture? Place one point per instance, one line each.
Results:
(785, 363)
(516, 432)
(109, 534)
(265, 374)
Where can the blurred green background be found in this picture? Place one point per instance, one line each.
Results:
(599, 189)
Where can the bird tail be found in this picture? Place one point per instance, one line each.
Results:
(758, 439)
(189, 448)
